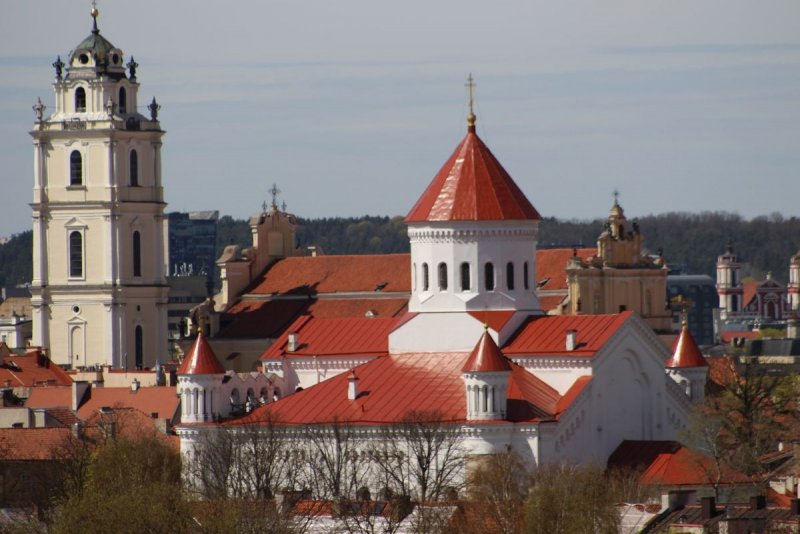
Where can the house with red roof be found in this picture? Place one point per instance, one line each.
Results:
(473, 347)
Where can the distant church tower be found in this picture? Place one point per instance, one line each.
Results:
(729, 283)
(99, 294)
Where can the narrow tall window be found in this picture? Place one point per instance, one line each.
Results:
(425, 277)
(525, 282)
(488, 276)
(137, 254)
(123, 100)
(139, 348)
(510, 276)
(414, 274)
(465, 282)
(75, 168)
(75, 255)
(442, 277)
(134, 168)
(80, 100)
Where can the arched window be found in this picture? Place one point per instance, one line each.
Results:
(525, 282)
(425, 277)
(510, 276)
(465, 283)
(139, 346)
(75, 168)
(75, 255)
(137, 254)
(80, 100)
(134, 168)
(123, 100)
(488, 276)
(442, 277)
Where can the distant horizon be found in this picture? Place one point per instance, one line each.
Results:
(353, 107)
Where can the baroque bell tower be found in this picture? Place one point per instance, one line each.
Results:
(99, 293)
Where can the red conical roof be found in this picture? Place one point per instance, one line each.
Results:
(201, 359)
(472, 186)
(685, 352)
(486, 357)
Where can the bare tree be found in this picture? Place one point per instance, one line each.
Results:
(422, 456)
(334, 466)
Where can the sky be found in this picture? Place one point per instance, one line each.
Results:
(351, 107)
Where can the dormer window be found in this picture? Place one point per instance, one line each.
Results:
(123, 100)
(80, 100)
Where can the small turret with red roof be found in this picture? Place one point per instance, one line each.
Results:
(486, 375)
(199, 376)
(687, 366)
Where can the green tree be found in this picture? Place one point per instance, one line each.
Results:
(133, 485)
(570, 499)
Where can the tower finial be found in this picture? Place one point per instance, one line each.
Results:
(94, 12)
(616, 196)
(274, 191)
(470, 85)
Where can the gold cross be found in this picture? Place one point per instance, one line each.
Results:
(470, 85)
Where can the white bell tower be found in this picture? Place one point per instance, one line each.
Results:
(98, 291)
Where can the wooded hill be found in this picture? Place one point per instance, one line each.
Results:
(691, 242)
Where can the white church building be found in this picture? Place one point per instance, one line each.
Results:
(474, 347)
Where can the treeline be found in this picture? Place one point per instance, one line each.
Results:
(690, 242)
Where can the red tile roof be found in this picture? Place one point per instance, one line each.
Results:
(268, 319)
(486, 357)
(551, 302)
(472, 186)
(495, 319)
(572, 393)
(547, 334)
(32, 443)
(685, 467)
(310, 275)
(160, 400)
(749, 291)
(685, 352)
(200, 360)
(392, 386)
(148, 400)
(335, 336)
(31, 369)
(635, 454)
(551, 265)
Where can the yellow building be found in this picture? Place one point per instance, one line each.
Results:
(99, 295)
(620, 276)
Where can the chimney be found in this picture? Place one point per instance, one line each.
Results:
(292, 343)
(135, 385)
(572, 340)
(39, 418)
(352, 386)
(79, 389)
(708, 507)
(758, 502)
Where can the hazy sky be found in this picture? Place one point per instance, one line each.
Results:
(352, 106)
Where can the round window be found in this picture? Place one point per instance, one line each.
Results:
(83, 58)
(76, 309)
(115, 58)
